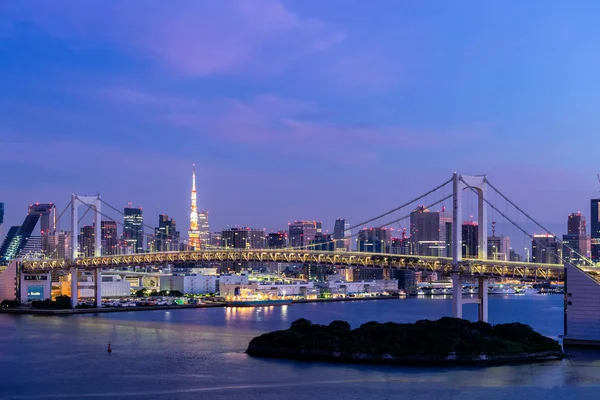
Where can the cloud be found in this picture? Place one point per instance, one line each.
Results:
(192, 38)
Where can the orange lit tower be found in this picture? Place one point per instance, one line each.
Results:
(194, 233)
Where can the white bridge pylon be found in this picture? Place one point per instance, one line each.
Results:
(95, 203)
(459, 184)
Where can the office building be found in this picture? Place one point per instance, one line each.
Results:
(498, 248)
(366, 274)
(545, 249)
(133, 229)
(243, 238)
(341, 234)
(576, 224)
(166, 237)
(470, 236)
(1, 213)
(430, 232)
(595, 230)
(322, 243)
(215, 239)
(300, 233)
(203, 227)
(86, 241)
(406, 279)
(110, 238)
(277, 240)
(375, 240)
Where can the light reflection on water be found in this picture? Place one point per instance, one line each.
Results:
(185, 353)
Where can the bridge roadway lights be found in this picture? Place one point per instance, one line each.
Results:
(458, 300)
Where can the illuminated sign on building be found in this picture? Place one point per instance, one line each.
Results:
(35, 293)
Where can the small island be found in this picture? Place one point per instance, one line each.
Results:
(447, 341)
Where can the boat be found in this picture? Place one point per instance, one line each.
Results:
(501, 289)
(251, 302)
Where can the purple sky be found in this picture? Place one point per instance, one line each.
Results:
(297, 109)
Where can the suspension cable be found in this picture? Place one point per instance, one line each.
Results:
(400, 207)
(560, 257)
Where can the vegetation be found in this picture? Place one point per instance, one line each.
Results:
(9, 304)
(442, 340)
(61, 303)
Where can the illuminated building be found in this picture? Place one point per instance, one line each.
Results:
(430, 232)
(470, 239)
(243, 238)
(194, 233)
(133, 229)
(1, 213)
(166, 236)
(322, 243)
(86, 241)
(20, 241)
(498, 248)
(575, 242)
(203, 227)
(545, 249)
(215, 239)
(595, 229)
(341, 234)
(110, 241)
(300, 233)
(375, 240)
(277, 240)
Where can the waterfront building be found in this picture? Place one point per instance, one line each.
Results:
(498, 248)
(341, 234)
(189, 283)
(243, 238)
(112, 286)
(430, 232)
(110, 238)
(366, 274)
(545, 249)
(406, 278)
(595, 230)
(300, 233)
(133, 229)
(375, 240)
(277, 240)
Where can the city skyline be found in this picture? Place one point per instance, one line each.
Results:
(126, 115)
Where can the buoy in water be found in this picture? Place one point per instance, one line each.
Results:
(109, 350)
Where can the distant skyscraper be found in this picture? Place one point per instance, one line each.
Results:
(545, 249)
(86, 241)
(498, 248)
(341, 234)
(277, 240)
(216, 239)
(375, 240)
(243, 238)
(20, 239)
(194, 232)
(430, 232)
(133, 229)
(110, 239)
(595, 229)
(203, 227)
(166, 237)
(1, 213)
(470, 238)
(322, 243)
(300, 233)
(576, 224)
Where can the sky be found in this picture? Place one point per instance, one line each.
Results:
(297, 109)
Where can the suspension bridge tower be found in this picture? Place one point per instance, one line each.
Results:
(478, 185)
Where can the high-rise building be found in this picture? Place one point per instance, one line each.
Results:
(375, 240)
(322, 243)
(576, 224)
(86, 241)
(1, 213)
(166, 237)
(498, 248)
(203, 227)
(110, 238)
(300, 233)
(470, 236)
(430, 232)
(20, 240)
(545, 249)
(595, 230)
(243, 238)
(277, 240)
(341, 234)
(194, 232)
(133, 229)
(215, 239)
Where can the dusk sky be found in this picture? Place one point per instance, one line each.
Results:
(297, 109)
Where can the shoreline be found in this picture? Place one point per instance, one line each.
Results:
(74, 311)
